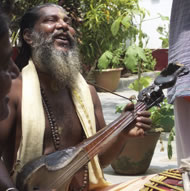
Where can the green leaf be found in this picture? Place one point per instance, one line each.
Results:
(131, 63)
(130, 59)
(131, 50)
(105, 60)
(170, 139)
(120, 107)
(126, 21)
(170, 151)
(164, 42)
(164, 18)
(141, 53)
(160, 30)
(115, 26)
(167, 123)
(138, 85)
(145, 81)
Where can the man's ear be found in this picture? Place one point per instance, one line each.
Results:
(27, 36)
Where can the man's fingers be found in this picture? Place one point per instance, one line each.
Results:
(144, 113)
(129, 107)
(144, 126)
(144, 120)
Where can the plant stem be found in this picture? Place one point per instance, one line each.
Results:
(139, 74)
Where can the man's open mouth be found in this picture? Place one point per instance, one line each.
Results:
(62, 39)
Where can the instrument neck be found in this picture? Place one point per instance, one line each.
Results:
(94, 144)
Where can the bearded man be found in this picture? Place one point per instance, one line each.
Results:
(52, 106)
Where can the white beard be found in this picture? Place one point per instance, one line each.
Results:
(62, 67)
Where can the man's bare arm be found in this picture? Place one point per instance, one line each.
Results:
(7, 134)
(5, 180)
(136, 129)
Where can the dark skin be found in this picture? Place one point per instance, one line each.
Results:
(52, 19)
(8, 71)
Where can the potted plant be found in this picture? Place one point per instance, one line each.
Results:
(163, 120)
(137, 162)
(137, 154)
(104, 34)
(109, 68)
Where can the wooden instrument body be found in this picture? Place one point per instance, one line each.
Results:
(53, 171)
(60, 166)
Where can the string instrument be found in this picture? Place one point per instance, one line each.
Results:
(57, 169)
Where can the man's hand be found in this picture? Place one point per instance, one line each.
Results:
(140, 125)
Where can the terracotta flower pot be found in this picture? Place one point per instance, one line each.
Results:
(137, 155)
(108, 78)
(161, 56)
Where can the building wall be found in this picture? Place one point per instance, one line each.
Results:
(149, 26)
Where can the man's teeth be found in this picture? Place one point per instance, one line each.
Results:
(62, 37)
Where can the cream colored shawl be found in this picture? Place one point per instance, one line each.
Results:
(33, 121)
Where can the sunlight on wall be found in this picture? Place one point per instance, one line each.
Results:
(149, 26)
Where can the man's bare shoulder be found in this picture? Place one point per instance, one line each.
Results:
(17, 82)
(94, 94)
(92, 90)
(100, 122)
(8, 124)
(16, 88)
(95, 97)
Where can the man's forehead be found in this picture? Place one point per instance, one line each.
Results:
(52, 10)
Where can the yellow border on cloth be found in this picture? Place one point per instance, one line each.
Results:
(33, 119)
(85, 110)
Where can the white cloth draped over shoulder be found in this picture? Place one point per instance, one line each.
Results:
(33, 121)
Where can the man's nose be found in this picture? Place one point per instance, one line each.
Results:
(61, 24)
(13, 70)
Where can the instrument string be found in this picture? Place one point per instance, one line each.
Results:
(125, 122)
(81, 162)
(117, 126)
(63, 178)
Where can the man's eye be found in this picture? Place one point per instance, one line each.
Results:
(50, 20)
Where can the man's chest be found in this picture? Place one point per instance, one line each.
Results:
(63, 128)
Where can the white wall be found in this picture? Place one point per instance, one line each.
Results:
(154, 7)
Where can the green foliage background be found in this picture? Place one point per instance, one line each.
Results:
(106, 26)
